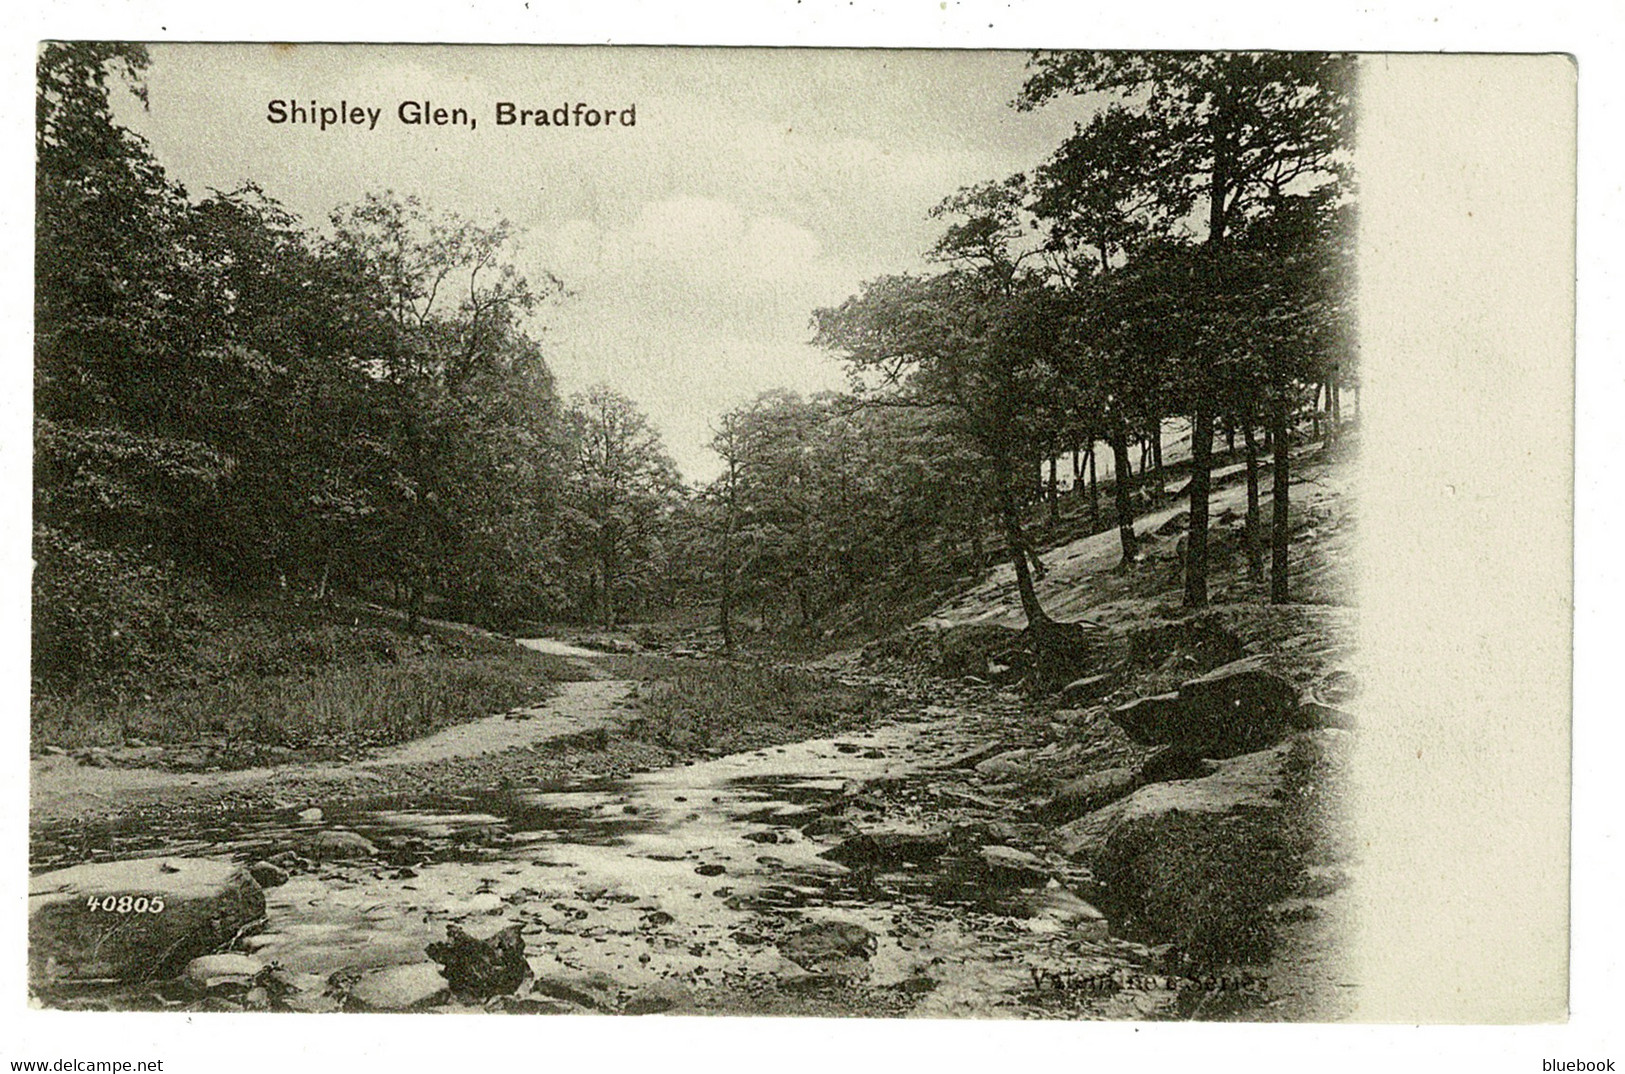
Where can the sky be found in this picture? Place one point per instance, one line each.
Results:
(754, 185)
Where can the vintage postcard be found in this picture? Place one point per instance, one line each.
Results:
(801, 532)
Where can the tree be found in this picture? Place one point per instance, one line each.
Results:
(1106, 192)
(464, 400)
(622, 486)
(976, 347)
(1235, 130)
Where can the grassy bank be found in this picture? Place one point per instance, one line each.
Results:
(725, 707)
(302, 678)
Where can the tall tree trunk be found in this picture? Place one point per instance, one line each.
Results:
(1255, 523)
(1010, 515)
(1077, 469)
(1159, 485)
(1094, 491)
(1336, 402)
(1280, 531)
(1125, 506)
(1054, 490)
(1196, 534)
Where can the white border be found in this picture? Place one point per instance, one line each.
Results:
(275, 1043)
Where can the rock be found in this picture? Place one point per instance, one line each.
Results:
(976, 756)
(1056, 903)
(1174, 525)
(336, 845)
(1149, 721)
(1080, 692)
(80, 928)
(208, 972)
(1251, 781)
(826, 825)
(309, 816)
(1338, 687)
(1313, 715)
(659, 997)
(267, 874)
(1086, 794)
(581, 994)
(888, 849)
(825, 947)
(528, 1005)
(973, 834)
(1237, 708)
(711, 869)
(481, 968)
(1005, 765)
(1010, 867)
(1172, 762)
(401, 988)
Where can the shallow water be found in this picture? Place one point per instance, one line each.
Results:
(688, 874)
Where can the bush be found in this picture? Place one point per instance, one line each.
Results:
(1202, 883)
(101, 616)
(1206, 883)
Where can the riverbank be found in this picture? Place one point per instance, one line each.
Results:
(903, 830)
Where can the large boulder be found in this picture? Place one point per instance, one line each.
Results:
(1012, 764)
(338, 845)
(1057, 905)
(837, 948)
(1252, 781)
(1009, 867)
(492, 966)
(1237, 708)
(231, 969)
(1150, 721)
(135, 920)
(1165, 763)
(400, 988)
(1086, 794)
(888, 849)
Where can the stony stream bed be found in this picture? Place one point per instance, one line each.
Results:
(728, 885)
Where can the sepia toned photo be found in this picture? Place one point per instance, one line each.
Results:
(799, 532)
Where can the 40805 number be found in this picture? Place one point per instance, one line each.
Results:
(126, 904)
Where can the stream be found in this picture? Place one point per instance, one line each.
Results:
(672, 889)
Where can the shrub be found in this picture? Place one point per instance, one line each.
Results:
(100, 615)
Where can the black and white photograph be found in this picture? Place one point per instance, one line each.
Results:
(838, 533)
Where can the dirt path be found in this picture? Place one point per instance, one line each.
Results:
(64, 789)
